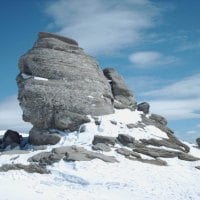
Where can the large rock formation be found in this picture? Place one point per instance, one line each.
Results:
(59, 85)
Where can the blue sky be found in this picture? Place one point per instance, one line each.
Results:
(154, 44)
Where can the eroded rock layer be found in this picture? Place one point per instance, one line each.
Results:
(123, 97)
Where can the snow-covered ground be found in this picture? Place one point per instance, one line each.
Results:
(97, 180)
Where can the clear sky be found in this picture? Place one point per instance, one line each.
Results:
(154, 44)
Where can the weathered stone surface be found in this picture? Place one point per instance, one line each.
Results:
(46, 158)
(69, 153)
(159, 119)
(156, 161)
(70, 85)
(97, 121)
(113, 122)
(39, 147)
(43, 137)
(131, 126)
(138, 125)
(197, 167)
(163, 142)
(101, 147)
(144, 107)
(175, 140)
(41, 157)
(61, 38)
(61, 150)
(123, 97)
(126, 152)
(14, 152)
(104, 139)
(187, 157)
(198, 142)
(32, 168)
(81, 154)
(125, 139)
(11, 139)
(172, 138)
(155, 152)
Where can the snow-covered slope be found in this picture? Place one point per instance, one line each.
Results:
(98, 180)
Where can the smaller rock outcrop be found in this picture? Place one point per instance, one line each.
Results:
(197, 167)
(161, 143)
(125, 139)
(69, 153)
(127, 153)
(101, 147)
(32, 168)
(198, 142)
(104, 139)
(43, 137)
(128, 141)
(158, 119)
(155, 161)
(187, 157)
(144, 107)
(123, 97)
(11, 139)
(161, 123)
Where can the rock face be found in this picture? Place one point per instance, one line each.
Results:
(59, 85)
(198, 142)
(43, 137)
(123, 97)
(32, 168)
(144, 106)
(11, 138)
(69, 153)
(104, 139)
(158, 119)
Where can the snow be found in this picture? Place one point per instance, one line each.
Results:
(91, 97)
(26, 76)
(97, 180)
(40, 78)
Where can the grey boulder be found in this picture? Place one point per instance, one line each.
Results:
(43, 137)
(160, 122)
(101, 147)
(187, 157)
(198, 142)
(158, 119)
(11, 139)
(156, 161)
(32, 168)
(144, 107)
(164, 142)
(81, 154)
(155, 152)
(127, 153)
(104, 139)
(197, 167)
(69, 153)
(123, 97)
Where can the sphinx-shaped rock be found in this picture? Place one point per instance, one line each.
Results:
(59, 85)
(123, 97)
